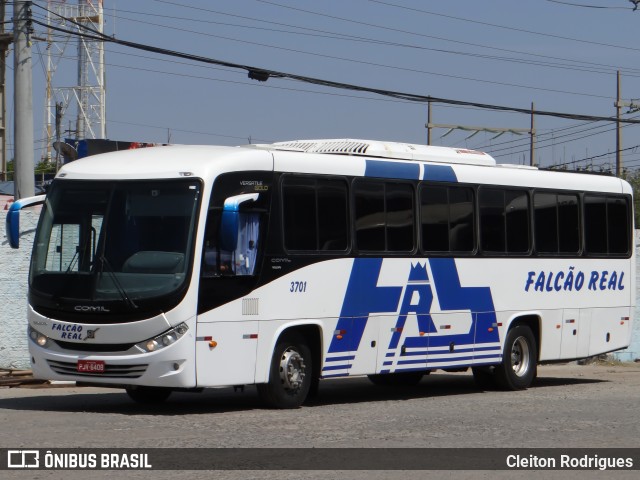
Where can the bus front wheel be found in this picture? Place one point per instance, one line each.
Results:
(290, 375)
(519, 360)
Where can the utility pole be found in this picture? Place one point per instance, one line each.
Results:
(618, 129)
(532, 147)
(23, 100)
(429, 127)
(477, 129)
(5, 40)
(633, 107)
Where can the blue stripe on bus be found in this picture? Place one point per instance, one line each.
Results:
(481, 364)
(411, 362)
(439, 173)
(336, 375)
(340, 359)
(449, 359)
(384, 169)
(336, 367)
(468, 348)
(496, 354)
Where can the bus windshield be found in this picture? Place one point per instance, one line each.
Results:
(114, 244)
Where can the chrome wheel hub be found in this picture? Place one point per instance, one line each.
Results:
(520, 356)
(292, 369)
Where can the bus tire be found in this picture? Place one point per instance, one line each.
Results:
(148, 395)
(398, 379)
(484, 378)
(290, 374)
(519, 360)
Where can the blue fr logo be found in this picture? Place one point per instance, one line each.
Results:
(364, 297)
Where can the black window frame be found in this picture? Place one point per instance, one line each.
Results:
(474, 216)
(283, 223)
(558, 192)
(496, 253)
(628, 223)
(414, 209)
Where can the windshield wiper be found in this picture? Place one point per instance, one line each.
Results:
(114, 278)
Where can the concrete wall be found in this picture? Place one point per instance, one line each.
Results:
(14, 271)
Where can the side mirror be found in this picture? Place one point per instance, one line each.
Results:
(230, 219)
(13, 217)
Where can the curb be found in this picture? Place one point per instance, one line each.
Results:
(20, 378)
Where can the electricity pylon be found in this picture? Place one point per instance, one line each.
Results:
(86, 99)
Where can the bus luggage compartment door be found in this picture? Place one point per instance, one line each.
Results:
(226, 353)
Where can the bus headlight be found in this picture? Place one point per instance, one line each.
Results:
(164, 340)
(38, 337)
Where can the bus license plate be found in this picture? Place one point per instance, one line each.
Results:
(91, 366)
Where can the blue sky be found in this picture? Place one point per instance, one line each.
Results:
(563, 57)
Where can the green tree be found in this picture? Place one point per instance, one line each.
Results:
(44, 166)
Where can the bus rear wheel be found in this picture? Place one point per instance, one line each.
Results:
(290, 375)
(148, 395)
(519, 360)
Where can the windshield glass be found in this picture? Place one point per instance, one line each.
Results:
(114, 245)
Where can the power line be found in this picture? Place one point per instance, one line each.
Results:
(601, 69)
(521, 30)
(554, 139)
(582, 5)
(381, 65)
(594, 157)
(408, 32)
(211, 134)
(262, 74)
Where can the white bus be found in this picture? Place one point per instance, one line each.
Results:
(186, 267)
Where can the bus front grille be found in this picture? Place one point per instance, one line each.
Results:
(94, 347)
(110, 370)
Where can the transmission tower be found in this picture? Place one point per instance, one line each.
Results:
(82, 103)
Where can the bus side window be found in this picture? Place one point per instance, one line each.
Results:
(231, 238)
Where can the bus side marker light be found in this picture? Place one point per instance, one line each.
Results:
(339, 334)
(490, 329)
(422, 334)
(558, 326)
(213, 344)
